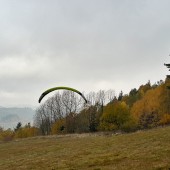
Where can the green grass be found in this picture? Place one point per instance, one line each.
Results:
(145, 150)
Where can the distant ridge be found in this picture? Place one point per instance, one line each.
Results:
(10, 116)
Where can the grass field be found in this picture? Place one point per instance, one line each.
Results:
(140, 150)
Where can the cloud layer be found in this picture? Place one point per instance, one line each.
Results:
(89, 45)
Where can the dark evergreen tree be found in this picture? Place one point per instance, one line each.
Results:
(18, 126)
(120, 96)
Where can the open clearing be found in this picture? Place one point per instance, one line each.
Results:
(140, 150)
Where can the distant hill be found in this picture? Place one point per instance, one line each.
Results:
(9, 117)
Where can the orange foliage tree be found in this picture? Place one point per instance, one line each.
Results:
(150, 109)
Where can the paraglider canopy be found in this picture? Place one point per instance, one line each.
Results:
(60, 88)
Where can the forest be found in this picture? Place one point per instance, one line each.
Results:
(65, 112)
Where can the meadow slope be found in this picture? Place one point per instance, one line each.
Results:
(143, 150)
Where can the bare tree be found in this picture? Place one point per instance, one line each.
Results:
(42, 120)
(110, 95)
(62, 105)
(68, 105)
(91, 97)
(72, 104)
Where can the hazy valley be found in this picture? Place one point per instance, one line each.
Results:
(9, 117)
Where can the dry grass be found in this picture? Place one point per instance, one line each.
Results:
(145, 150)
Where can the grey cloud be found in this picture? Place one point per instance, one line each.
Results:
(87, 44)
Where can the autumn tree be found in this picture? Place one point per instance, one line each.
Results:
(6, 135)
(132, 97)
(144, 88)
(27, 131)
(58, 127)
(149, 110)
(115, 116)
(82, 121)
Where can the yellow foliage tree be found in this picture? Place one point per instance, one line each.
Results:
(165, 120)
(152, 106)
(26, 132)
(58, 127)
(115, 115)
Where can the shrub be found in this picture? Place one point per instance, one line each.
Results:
(58, 127)
(6, 135)
(165, 119)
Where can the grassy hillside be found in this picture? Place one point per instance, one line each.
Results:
(141, 150)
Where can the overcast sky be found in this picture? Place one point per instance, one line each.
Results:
(85, 44)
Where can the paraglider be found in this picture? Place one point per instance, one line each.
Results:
(61, 88)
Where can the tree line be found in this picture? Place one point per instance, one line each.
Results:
(145, 107)
(65, 112)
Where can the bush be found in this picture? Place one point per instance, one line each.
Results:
(106, 126)
(149, 120)
(58, 127)
(165, 119)
(26, 132)
(129, 126)
(6, 135)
